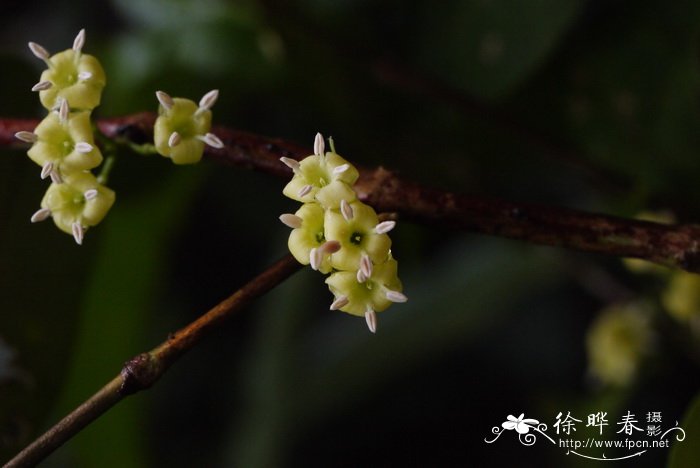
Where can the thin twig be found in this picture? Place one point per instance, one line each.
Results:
(144, 370)
(674, 246)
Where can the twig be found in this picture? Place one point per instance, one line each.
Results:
(144, 370)
(674, 246)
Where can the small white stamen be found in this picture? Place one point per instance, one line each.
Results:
(27, 137)
(46, 170)
(293, 164)
(346, 210)
(174, 140)
(315, 258)
(91, 194)
(211, 140)
(79, 41)
(42, 86)
(330, 247)
(165, 99)
(56, 177)
(304, 191)
(339, 303)
(78, 233)
(319, 145)
(84, 75)
(83, 147)
(208, 99)
(366, 265)
(384, 227)
(371, 319)
(40, 215)
(293, 221)
(395, 296)
(63, 111)
(39, 51)
(361, 278)
(340, 169)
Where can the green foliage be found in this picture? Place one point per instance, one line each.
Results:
(587, 104)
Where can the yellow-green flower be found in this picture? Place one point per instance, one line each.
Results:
(63, 143)
(182, 127)
(616, 343)
(76, 204)
(357, 235)
(71, 75)
(325, 178)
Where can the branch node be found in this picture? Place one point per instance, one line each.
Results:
(139, 373)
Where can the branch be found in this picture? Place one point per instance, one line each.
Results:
(144, 370)
(674, 246)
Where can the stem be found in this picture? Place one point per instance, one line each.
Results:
(676, 246)
(106, 169)
(144, 370)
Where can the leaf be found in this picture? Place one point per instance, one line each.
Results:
(687, 453)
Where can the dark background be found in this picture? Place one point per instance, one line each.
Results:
(587, 104)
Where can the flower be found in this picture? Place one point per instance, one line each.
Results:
(77, 204)
(182, 127)
(617, 341)
(71, 75)
(373, 294)
(521, 426)
(63, 143)
(357, 236)
(307, 241)
(325, 178)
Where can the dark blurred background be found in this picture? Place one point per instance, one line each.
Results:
(590, 104)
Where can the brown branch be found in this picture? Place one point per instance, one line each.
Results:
(671, 245)
(144, 370)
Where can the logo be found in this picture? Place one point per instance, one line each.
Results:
(627, 436)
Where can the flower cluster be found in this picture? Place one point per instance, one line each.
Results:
(63, 145)
(336, 233)
(182, 127)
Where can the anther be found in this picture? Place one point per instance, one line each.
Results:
(304, 191)
(361, 278)
(339, 303)
(40, 215)
(384, 227)
(366, 265)
(42, 86)
(293, 164)
(79, 41)
(340, 169)
(27, 137)
(91, 194)
(63, 110)
(319, 145)
(395, 296)
(293, 221)
(330, 247)
(165, 99)
(315, 258)
(346, 210)
(208, 100)
(78, 233)
(211, 140)
(84, 75)
(46, 170)
(83, 147)
(174, 139)
(39, 51)
(371, 319)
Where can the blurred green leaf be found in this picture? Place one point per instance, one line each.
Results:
(686, 453)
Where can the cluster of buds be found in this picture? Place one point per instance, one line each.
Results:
(63, 145)
(182, 127)
(337, 234)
